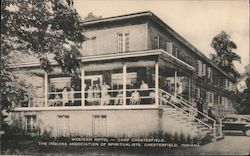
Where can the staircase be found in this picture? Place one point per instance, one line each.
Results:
(180, 117)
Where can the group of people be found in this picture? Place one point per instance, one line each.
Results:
(99, 95)
(210, 112)
(66, 99)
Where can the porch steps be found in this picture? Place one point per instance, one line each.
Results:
(188, 125)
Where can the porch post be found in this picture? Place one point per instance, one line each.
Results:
(124, 75)
(175, 83)
(157, 83)
(83, 86)
(46, 89)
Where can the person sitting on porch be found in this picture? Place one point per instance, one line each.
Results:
(90, 98)
(119, 98)
(172, 89)
(106, 99)
(152, 96)
(65, 96)
(105, 88)
(143, 86)
(58, 101)
(71, 96)
(144, 92)
(135, 98)
(97, 94)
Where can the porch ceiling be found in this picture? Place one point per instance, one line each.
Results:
(170, 61)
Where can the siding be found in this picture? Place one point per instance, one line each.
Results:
(106, 39)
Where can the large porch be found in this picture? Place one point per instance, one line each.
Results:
(126, 80)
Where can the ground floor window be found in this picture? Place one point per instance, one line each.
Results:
(99, 125)
(30, 123)
(63, 124)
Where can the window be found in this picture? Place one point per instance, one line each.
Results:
(170, 47)
(30, 123)
(225, 103)
(63, 124)
(156, 42)
(122, 42)
(117, 79)
(244, 120)
(99, 125)
(89, 46)
(230, 119)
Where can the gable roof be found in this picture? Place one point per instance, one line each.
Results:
(167, 28)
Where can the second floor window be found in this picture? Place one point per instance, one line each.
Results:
(89, 46)
(169, 47)
(122, 42)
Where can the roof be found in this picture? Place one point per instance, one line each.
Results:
(113, 56)
(167, 28)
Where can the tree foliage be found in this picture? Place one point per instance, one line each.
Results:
(91, 16)
(42, 28)
(243, 100)
(225, 56)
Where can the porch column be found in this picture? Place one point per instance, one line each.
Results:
(46, 89)
(83, 86)
(175, 83)
(157, 83)
(124, 75)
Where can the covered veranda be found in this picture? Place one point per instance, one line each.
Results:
(116, 80)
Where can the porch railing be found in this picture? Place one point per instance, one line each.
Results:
(96, 98)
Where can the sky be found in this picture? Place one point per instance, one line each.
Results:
(197, 21)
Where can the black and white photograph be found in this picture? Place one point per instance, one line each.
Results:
(125, 77)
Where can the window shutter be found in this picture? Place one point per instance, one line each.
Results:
(127, 42)
(209, 72)
(203, 69)
(170, 47)
(197, 93)
(207, 97)
(156, 43)
(224, 83)
(211, 75)
(119, 42)
(199, 68)
(162, 43)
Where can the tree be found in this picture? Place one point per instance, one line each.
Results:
(91, 16)
(42, 29)
(243, 99)
(225, 56)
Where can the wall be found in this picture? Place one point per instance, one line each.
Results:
(106, 38)
(129, 123)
